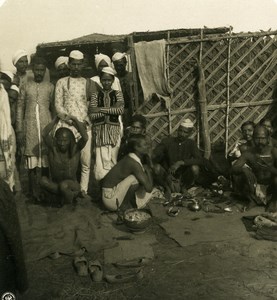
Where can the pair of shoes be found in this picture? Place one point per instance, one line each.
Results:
(85, 268)
(127, 277)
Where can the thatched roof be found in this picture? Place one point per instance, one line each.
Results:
(97, 38)
(94, 38)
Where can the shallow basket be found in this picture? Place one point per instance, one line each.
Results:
(137, 225)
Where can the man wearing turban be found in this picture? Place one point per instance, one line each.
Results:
(126, 82)
(61, 66)
(102, 61)
(180, 158)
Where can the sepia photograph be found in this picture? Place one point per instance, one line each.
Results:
(138, 150)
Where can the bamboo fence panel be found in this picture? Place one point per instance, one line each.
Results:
(240, 80)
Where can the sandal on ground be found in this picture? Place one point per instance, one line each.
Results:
(81, 265)
(95, 270)
(127, 277)
(135, 263)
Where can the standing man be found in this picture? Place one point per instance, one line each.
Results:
(34, 109)
(61, 65)
(126, 82)
(71, 99)
(21, 62)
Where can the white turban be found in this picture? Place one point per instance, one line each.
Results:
(108, 70)
(18, 54)
(61, 60)
(99, 57)
(118, 56)
(187, 123)
(76, 54)
(9, 74)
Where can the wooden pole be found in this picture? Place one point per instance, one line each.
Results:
(134, 72)
(228, 95)
(167, 73)
(200, 61)
(204, 113)
(212, 107)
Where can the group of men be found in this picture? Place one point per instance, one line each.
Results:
(31, 102)
(54, 131)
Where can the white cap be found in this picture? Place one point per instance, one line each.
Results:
(18, 54)
(76, 54)
(118, 56)
(187, 123)
(9, 74)
(108, 70)
(61, 60)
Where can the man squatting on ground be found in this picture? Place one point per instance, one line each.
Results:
(64, 157)
(129, 183)
(71, 100)
(259, 177)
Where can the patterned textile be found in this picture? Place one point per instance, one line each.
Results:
(107, 134)
(33, 114)
(6, 139)
(71, 98)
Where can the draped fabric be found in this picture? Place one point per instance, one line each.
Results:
(6, 137)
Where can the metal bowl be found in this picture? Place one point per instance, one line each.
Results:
(137, 219)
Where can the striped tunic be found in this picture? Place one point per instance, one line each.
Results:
(106, 133)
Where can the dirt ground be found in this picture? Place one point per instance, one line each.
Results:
(242, 268)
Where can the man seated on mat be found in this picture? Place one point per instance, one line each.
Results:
(259, 179)
(129, 183)
(64, 158)
(179, 160)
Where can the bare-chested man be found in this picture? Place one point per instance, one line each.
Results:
(129, 183)
(259, 180)
(64, 158)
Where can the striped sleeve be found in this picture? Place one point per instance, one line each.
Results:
(93, 104)
(119, 109)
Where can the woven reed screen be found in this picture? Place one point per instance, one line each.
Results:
(240, 78)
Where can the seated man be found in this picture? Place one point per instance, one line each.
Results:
(247, 129)
(259, 180)
(179, 159)
(138, 126)
(129, 183)
(64, 158)
(266, 122)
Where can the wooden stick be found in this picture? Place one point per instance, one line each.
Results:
(227, 97)
(204, 113)
(167, 72)
(212, 107)
(200, 61)
(134, 71)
